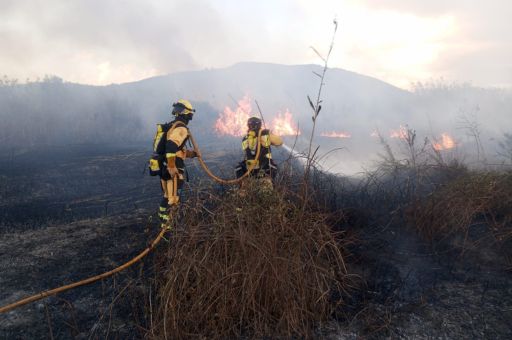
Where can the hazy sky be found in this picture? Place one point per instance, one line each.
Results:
(115, 41)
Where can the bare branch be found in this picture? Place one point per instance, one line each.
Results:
(318, 54)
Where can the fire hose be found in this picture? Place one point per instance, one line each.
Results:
(226, 181)
(137, 258)
(84, 282)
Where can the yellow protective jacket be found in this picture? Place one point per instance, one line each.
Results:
(250, 146)
(175, 140)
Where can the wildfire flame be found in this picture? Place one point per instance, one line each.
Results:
(445, 143)
(401, 133)
(283, 125)
(234, 122)
(336, 134)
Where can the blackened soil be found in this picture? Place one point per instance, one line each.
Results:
(411, 289)
(67, 214)
(68, 184)
(35, 260)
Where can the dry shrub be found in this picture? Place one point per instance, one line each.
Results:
(456, 206)
(253, 266)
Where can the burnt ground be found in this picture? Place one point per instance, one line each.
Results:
(35, 260)
(69, 213)
(66, 214)
(410, 289)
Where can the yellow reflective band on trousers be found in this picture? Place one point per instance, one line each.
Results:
(164, 217)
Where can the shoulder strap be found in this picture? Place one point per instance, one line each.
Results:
(176, 125)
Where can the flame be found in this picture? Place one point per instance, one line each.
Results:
(234, 123)
(446, 143)
(336, 134)
(401, 133)
(283, 125)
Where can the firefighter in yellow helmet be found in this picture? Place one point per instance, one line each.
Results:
(169, 156)
(264, 166)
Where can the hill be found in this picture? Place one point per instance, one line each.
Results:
(53, 112)
(137, 106)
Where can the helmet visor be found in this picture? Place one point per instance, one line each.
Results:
(179, 108)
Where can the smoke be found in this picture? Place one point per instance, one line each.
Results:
(54, 112)
(95, 41)
(100, 42)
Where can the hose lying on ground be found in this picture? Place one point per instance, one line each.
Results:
(87, 281)
(137, 258)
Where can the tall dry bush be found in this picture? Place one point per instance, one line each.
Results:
(253, 265)
(408, 171)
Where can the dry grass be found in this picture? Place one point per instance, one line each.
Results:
(253, 266)
(441, 198)
(476, 197)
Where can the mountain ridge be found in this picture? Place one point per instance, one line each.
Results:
(57, 112)
(252, 64)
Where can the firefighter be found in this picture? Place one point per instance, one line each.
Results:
(171, 153)
(264, 167)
